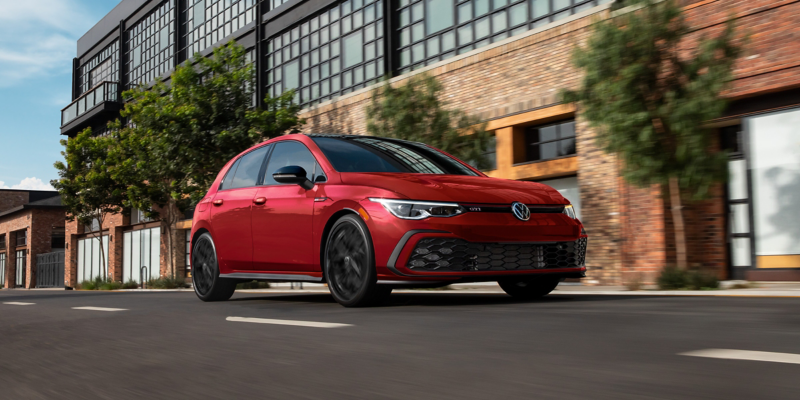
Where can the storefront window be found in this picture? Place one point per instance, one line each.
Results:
(89, 258)
(141, 251)
(775, 173)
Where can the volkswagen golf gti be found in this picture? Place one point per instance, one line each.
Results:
(367, 214)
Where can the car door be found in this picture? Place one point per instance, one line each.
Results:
(230, 213)
(282, 223)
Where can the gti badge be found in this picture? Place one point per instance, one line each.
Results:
(520, 211)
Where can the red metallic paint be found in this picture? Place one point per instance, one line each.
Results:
(285, 234)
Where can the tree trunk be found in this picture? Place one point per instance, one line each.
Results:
(677, 221)
(103, 265)
(171, 216)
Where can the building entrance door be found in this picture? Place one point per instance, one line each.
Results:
(738, 204)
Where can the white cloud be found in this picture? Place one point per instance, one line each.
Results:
(38, 38)
(30, 183)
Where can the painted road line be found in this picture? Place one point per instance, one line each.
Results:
(99, 309)
(727, 354)
(310, 324)
(18, 303)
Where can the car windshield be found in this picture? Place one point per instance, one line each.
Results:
(367, 154)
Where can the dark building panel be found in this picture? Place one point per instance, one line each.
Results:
(108, 24)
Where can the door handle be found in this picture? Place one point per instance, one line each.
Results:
(217, 202)
(259, 200)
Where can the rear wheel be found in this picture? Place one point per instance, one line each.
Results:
(528, 288)
(350, 264)
(205, 272)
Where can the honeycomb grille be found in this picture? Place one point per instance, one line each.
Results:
(449, 254)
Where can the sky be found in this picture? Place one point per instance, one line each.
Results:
(38, 40)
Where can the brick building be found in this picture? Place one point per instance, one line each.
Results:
(31, 223)
(505, 61)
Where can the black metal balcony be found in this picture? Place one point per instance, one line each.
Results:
(100, 102)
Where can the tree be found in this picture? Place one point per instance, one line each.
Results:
(649, 85)
(414, 112)
(178, 137)
(88, 189)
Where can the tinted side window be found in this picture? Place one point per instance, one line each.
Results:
(249, 167)
(291, 153)
(226, 181)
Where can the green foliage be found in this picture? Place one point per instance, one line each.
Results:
(253, 285)
(672, 278)
(414, 112)
(130, 284)
(166, 283)
(100, 284)
(88, 188)
(648, 89)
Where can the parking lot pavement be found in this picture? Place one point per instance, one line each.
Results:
(68, 344)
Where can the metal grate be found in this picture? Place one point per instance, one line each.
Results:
(448, 254)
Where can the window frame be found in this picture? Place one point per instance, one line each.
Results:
(235, 167)
(558, 139)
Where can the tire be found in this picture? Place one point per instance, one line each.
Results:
(207, 284)
(528, 288)
(350, 264)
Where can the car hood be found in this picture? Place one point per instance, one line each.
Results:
(458, 188)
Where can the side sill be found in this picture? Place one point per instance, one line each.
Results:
(272, 277)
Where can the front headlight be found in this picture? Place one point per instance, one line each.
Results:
(570, 211)
(412, 209)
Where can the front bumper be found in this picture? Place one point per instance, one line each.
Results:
(434, 254)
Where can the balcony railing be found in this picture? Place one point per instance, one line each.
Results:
(104, 91)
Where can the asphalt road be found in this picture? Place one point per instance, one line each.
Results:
(419, 346)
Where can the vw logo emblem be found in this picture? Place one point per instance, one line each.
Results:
(520, 211)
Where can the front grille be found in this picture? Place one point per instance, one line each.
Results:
(449, 254)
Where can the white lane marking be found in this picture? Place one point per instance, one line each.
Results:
(99, 309)
(728, 354)
(310, 324)
(18, 303)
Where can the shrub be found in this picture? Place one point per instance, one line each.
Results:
(130, 284)
(672, 278)
(100, 284)
(253, 285)
(166, 283)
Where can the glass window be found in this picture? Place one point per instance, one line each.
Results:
(226, 181)
(149, 44)
(211, 21)
(334, 54)
(353, 49)
(365, 154)
(291, 152)
(104, 66)
(550, 141)
(247, 172)
(438, 15)
(291, 75)
(480, 22)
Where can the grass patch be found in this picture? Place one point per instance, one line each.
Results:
(672, 278)
(130, 284)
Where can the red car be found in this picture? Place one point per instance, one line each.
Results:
(368, 214)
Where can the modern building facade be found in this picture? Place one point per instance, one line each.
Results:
(31, 224)
(504, 61)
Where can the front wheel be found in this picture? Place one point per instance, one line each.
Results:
(528, 288)
(205, 272)
(350, 264)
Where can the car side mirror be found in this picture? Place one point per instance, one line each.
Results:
(293, 174)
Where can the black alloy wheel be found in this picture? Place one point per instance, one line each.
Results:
(529, 288)
(205, 272)
(350, 264)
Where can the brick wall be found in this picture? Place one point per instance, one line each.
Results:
(38, 225)
(630, 228)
